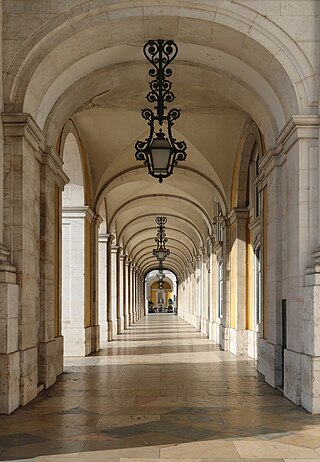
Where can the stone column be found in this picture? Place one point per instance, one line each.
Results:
(198, 291)
(131, 320)
(126, 289)
(50, 353)
(9, 340)
(94, 286)
(103, 243)
(115, 289)
(110, 318)
(188, 295)
(122, 259)
(76, 280)
(205, 293)
(238, 333)
(21, 236)
(134, 292)
(310, 377)
(137, 296)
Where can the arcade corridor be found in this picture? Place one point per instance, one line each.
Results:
(161, 390)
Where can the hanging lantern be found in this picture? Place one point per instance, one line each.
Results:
(160, 152)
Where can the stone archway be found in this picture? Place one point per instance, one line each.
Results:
(238, 70)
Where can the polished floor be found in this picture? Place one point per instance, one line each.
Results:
(160, 392)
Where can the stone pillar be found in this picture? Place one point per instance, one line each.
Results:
(301, 265)
(126, 289)
(110, 318)
(50, 354)
(188, 295)
(198, 291)
(9, 340)
(115, 289)
(134, 292)
(310, 378)
(238, 333)
(21, 236)
(76, 280)
(137, 295)
(122, 259)
(94, 286)
(103, 241)
(205, 293)
(131, 319)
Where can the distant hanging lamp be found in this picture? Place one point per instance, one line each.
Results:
(161, 252)
(160, 152)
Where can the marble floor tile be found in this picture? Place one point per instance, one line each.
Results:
(161, 391)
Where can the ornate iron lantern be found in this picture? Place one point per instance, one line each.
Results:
(161, 252)
(160, 152)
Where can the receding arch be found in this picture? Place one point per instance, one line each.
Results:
(191, 203)
(251, 136)
(169, 246)
(171, 215)
(171, 265)
(295, 68)
(169, 229)
(71, 130)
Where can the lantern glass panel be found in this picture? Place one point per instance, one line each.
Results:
(160, 155)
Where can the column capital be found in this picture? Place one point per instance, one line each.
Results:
(84, 212)
(115, 248)
(238, 213)
(127, 261)
(105, 237)
(52, 159)
(123, 257)
(22, 124)
(98, 219)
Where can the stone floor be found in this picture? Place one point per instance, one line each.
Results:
(161, 391)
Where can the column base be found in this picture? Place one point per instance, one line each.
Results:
(204, 329)
(270, 362)
(238, 341)
(95, 338)
(219, 334)
(28, 375)
(81, 341)
(119, 330)
(310, 383)
(110, 330)
(51, 361)
(292, 375)
(9, 382)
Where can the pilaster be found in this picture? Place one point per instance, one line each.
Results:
(23, 148)
(238, 337)
(103, 243)
(126, 286)
(110, 318)
(77, 282)
(115, 290)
